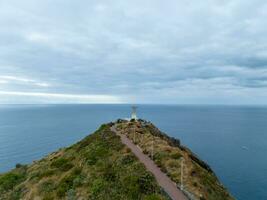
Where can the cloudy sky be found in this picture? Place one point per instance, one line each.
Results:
(124, 51)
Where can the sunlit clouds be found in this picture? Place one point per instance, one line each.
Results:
(58, 98)
(21, 80)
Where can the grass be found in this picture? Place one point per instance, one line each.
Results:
(167, 153)
(9, 180)
(101, 167)
(98, 167)
(62, 164)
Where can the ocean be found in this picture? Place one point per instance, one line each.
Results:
(231, 139)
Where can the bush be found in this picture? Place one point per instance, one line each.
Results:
(131, 186)
(127, 159)
(78, 181)
(97, 186)
(16, 194)
(9, 180)
(95, 154)
(160, 155)
(163, 169)
(71, 195)
(173, 164)
(48, 196)
(67, 182)
(18, 165)
(145, 151)
(146, 184)
(153, 197)
(46, 186)
(62, 164)
(176, 155)
(47, 173)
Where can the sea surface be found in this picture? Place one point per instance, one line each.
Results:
(231, 139)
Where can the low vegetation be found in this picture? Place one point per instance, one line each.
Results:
(98, 167)
(168, 154)
(101, 167)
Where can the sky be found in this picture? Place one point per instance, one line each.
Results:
(133, 51)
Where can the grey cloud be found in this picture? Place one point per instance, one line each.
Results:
(137, 50)
(250, 62)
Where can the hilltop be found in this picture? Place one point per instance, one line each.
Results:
(101, 167)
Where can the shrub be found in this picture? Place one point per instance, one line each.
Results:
(18, 165)
(131, 186)
(78, 177)
(145, 151)
(97, 186)
(78, 181)
(46, 186)
(47, 173)
(9, 180)
(96, 153)
(146, 183)
(158, 163)
(127, 159)
(48, 196)
(71, 195)
(41, 174)
(160, 155)
(34, 175)
(76, 171)
(176, 155)
(163, 169)
(173, 164)
(61, 190)
(67, 182)
(153, 197)
(62, 164)
(16, 194)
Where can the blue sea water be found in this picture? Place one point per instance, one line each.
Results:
(231, 139)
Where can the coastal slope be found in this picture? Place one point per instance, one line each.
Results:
(101, 167)
(174, 159)
(98, 167)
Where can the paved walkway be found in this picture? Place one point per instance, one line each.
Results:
(163, 180)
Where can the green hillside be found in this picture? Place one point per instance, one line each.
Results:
(100, 167)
